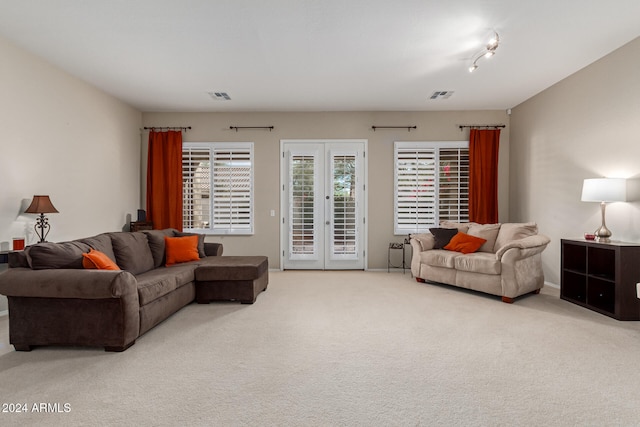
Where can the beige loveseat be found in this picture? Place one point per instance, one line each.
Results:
(508, 264)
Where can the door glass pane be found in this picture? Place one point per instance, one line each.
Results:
(343, 235)
(302, 207)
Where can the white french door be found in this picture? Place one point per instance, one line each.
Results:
(323, 205)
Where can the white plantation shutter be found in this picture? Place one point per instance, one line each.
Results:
(196, 187)
(343, 196)
(415, 189)
(224, 204)
(453, 194)
(431, 184)
(232, 190)
(303, 188)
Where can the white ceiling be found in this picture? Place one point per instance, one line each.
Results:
(319, 55)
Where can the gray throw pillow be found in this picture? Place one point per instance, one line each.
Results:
(442, 236)
(56, 255)
(132, 251)
(156, 244)
(102, 243)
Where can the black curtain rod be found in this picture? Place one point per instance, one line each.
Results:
(408, 128)
(251, 127)
(168, 127)
(480, 126)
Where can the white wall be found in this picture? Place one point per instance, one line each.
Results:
(586, 126)
(63, 137)
(432, 126)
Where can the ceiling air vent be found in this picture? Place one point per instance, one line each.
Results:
(441, 94)
(219, 96)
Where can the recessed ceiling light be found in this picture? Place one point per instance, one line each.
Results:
(219, 96)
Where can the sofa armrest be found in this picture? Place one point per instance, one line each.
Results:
(421, 242)
(527, 247)
(67, 283)
(213, 249)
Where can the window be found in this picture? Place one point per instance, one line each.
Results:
(217, 187)
(431, 184)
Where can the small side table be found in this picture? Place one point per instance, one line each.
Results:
(395, 246)
(140, 225)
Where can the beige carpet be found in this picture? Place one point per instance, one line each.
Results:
(344, 349)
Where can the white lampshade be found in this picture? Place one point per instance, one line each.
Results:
(604, 190)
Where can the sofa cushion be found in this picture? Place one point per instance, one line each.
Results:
(232, 268)
(201, 252)
(98, 260)
(156, 244)
(465, 243)
(132, 251)
(181, 249)
(514, 231)
(488, 232)
(462, 227)
(160, 281)
(56, 255)
(439, 258)
(479, 262)
(442, 236)
(102, 243)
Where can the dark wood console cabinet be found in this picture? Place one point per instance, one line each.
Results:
(601, 277)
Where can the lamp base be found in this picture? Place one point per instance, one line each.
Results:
(42, 228)
(603, 234)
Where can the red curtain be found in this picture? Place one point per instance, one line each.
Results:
(164, 180)
(483, 175)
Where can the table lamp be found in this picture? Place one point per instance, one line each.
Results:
(41, 205)
(604, 190)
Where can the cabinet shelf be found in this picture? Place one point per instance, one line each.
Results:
(601, 277)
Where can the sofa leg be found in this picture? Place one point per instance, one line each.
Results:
(22, 347)
(536, 292)
(119, 349)
(420, 280)
(507, 300)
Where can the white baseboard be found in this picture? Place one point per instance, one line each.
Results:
(551, 285)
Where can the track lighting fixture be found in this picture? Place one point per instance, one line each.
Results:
(488, 52)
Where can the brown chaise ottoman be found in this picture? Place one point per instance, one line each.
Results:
(239, 278)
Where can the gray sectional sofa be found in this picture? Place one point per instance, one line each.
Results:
(53, 300)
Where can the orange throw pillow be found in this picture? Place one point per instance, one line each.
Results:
(98, 260)
(465, 243)
(181, 249)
